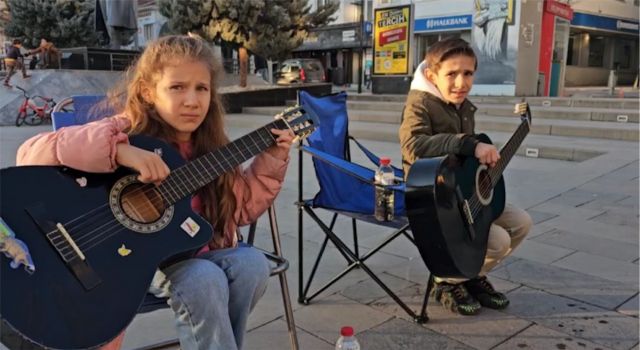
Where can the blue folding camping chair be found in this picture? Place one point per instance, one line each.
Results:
(87, 108)
(346, 189)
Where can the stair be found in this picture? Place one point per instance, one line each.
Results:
(563, 129)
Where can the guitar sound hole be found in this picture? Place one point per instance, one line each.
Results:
(484, 185)
(142, 203)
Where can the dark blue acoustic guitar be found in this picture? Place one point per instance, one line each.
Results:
(81, 249)
(451, 202)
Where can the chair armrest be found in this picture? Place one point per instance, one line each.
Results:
(398, 173)
(352, 169)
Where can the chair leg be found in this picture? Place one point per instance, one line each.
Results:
(284, 286)
(348, 254)
(424, 318)
(356, 249)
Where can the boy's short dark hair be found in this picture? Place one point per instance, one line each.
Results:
(17, 41)
(444, 49)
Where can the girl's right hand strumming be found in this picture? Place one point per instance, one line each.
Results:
(150, 166)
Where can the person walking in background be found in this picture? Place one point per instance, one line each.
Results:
(14, 61)
(48, 55)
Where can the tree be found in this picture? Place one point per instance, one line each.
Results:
(285, 26)
(66, 23)
(249, 24)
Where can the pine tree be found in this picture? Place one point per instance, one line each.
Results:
(67, 23)
(271, 27)
(285, 26)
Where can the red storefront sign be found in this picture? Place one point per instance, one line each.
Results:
(559, 9)
(552, 9)
(393, 35)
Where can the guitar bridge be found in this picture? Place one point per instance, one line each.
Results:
(75, 260)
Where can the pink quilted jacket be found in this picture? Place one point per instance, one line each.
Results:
(92, 148)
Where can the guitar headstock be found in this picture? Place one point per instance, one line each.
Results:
(523, 110)
(299, 119)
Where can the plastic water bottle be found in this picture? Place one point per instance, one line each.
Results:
(347, 340)
(384, 196)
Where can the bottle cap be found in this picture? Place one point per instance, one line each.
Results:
(346, 331)
(385, 160)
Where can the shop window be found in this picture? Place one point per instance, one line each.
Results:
(570, 56)
(596, 51)
(623, 54)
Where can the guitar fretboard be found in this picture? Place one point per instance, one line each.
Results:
(508, 151)
(187, 179)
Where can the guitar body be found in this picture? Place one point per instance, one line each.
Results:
(50, 306)
(447, 244)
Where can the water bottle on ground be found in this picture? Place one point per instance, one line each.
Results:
(384, 204)
(347, 340)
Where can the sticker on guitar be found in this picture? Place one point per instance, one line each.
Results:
(15, 249)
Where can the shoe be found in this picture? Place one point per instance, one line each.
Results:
(26, 76)
(7, 84)
(483, 291)
(455, 298)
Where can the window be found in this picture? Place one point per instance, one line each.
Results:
(622, 54)
(570, 56)
(148, 32)
(313, 67)
(596, 51)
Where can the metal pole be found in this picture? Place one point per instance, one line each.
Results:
(361, 49)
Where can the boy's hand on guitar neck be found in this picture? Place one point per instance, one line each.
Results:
(150, 166)
(487, 154)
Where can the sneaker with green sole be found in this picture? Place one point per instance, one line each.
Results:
(455, 298)
(484, 292)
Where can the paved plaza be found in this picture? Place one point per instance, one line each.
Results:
(573, 284)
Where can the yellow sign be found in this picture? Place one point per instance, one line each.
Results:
(391, 40)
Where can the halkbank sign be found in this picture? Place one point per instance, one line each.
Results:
(436, 24)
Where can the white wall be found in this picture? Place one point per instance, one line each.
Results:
(424, 8)
(609, 8)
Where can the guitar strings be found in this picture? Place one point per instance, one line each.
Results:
(145, 190)
(475, 204)
(258, 147)
(150, 188)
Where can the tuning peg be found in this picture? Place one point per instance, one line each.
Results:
(521, 108)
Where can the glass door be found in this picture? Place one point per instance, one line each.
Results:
(559, 58)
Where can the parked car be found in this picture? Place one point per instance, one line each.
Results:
(300, 70)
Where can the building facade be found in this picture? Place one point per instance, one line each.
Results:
(603, 38)
(524, 47)
(150, 22)
(344, 46)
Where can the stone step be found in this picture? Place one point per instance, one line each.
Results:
(506, 110)
(599, 102)
(566, 113)
(566, 148)
(556, 127)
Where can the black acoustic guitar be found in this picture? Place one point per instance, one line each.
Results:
(81, 249)
(451, 202)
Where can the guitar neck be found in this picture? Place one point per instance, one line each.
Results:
(187, 179)
(508, 151)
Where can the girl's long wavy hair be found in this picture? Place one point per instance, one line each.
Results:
(177, 50)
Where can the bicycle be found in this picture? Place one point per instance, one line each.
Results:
(30, 113)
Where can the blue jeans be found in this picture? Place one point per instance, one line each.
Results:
(213, 294)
